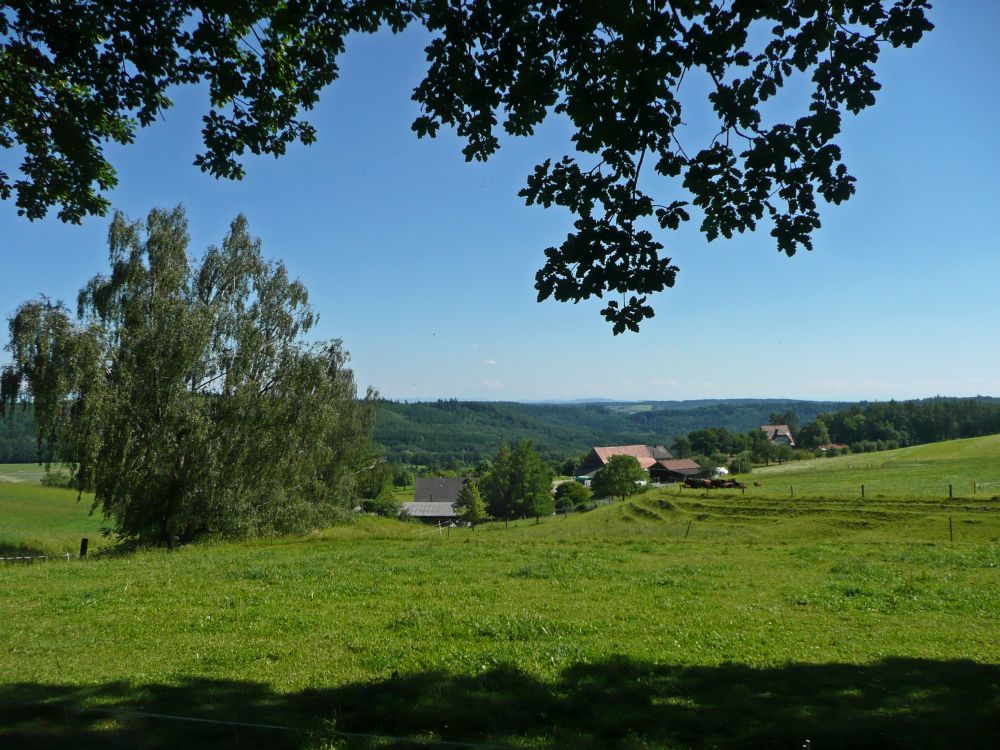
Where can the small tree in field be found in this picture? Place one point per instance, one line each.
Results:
(621, 476)
(569, 495)
(470, 505)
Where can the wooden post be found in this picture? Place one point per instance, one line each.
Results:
(862, 492)
(83, 547)
(973, 488)
(688, 529)
(951, 531)
(791, 490)
(743, 490)
(950, 495)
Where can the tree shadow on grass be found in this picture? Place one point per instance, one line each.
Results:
(11, 549)
(896, 703)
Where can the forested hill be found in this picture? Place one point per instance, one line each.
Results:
(468, 431)
(441, 432)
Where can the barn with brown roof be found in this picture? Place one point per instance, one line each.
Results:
(646, 455)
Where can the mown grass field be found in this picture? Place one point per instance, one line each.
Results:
(970, 467)
(36, 520)
(673, 620)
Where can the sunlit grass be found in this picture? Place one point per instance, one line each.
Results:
(678, 618)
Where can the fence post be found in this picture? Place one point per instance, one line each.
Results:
(688, 531)
(791, 490)
(950, 495)
(862, 492)
(83, 547)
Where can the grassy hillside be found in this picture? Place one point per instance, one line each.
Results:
(970, 466)
(677, 619)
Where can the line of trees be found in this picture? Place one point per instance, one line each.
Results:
(859, 428)
(518, 483)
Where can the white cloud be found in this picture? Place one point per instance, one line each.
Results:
(489, 361)
(664, 382)
(494, 384)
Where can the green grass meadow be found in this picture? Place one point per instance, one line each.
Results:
(37, 520)
(678, 619)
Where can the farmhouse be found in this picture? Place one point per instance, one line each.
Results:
(655, 459)
(646, 455)
(434, 498)
(779, 434)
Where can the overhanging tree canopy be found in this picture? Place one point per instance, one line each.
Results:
(76, 75)
(185, 395)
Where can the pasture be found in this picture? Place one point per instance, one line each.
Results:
(675, 619)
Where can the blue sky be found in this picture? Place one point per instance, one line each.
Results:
(424, 265)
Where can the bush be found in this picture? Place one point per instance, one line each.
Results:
(571, 495)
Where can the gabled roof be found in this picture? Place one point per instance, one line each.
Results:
(437, 489)
(678, 466)
(646, 455)
(430, 510)
(777, 430)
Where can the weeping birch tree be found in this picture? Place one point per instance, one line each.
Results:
(185, 394)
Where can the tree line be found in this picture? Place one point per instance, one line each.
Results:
(857, 428)
(449, 433)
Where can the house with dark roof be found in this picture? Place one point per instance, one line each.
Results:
(646, 455)
(434, 498)
(670, 470)
(779, 434)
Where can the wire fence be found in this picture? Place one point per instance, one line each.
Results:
(67, 556)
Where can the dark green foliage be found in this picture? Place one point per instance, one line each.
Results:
(681, 447)
(707, 463)
(569, 495)
(616, 72)
(789, 418)
(813, 435)
(442, 431)
(716, 440)
(402, 476)
(621, 476)
(17, 436)
(78, 75)
(185, 394)
(470, 505)
(374, 488)
(519, 483)
(761, 449)
(742, 463)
